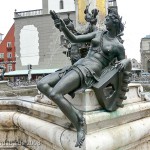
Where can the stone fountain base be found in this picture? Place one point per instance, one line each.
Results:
(26, 123)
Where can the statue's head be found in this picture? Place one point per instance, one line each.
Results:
(116, 20)
(95, 12)
(69, 23)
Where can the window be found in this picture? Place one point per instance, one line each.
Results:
(9, 67)
(1, 55)
(9, 55)
(9, 44)
(110, 2)
(61, 4)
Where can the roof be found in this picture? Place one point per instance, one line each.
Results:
(25, 72)
(146, 37)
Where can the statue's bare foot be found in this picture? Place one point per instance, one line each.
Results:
(80, 138)
(81, 133)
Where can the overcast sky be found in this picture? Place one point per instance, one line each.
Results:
(135, 13)
(8, 7)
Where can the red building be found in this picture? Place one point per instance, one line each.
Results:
(7, 51)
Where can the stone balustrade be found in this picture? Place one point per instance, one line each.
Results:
(28, 13)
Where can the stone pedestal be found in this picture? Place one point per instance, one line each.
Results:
(107, 131)
(4, 86)
(43, 126)
(87, 101)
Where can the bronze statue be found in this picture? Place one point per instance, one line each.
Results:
(91, 18)
(80, 50)
(73, 49)
(86, 72)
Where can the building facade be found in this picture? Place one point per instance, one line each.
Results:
(135, 64)
(37, 39)
(145, 53)
(7, 51)
(58, 6)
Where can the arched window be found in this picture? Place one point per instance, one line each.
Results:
(61, 4)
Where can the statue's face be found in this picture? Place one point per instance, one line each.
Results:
(109, 22)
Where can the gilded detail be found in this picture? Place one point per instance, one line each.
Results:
(81, 8)
(101, 6)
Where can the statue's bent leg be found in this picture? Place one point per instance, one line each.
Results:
(45, 84)
(68, 83)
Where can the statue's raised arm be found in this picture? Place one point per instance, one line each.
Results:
(59, 23)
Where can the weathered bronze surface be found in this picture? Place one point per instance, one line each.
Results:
(113, 85)
(73, 49)
(91, 18)
(77, 51)
(104, 69)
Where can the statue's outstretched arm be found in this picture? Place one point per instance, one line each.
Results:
(72, 38)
